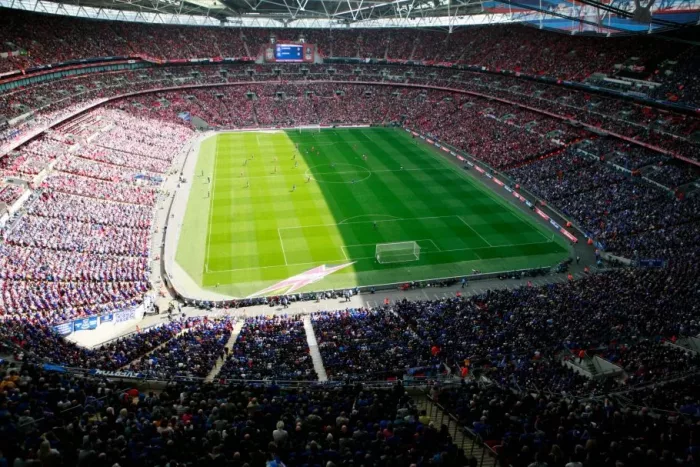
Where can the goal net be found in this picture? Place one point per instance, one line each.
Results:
(397, 252)
(309, 127)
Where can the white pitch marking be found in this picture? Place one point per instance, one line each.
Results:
(369, 215)
(211, 209)
(431, 241)
(318, 263)
(474, 230)
(369, 222)
(284, 253)
(371, 244)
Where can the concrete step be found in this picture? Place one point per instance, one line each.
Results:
(229, 345)
(313, 349)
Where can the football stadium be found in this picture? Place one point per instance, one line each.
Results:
(349, 233)
(270, 216)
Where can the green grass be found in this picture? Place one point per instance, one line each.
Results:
(252, 231)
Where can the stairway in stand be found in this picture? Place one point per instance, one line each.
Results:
(313, 349)
(462, 440)
(229, 345)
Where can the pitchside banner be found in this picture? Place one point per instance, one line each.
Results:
(64, 329)
(92, 322)
(86, 324)
(124, 315)
(651, 263)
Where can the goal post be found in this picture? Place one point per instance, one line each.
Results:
(398, 252)
(317, 128)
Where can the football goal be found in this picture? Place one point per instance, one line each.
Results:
(309, 127)
(397, 252)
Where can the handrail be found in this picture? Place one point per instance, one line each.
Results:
(477, 439)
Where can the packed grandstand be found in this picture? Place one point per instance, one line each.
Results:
(597, 370)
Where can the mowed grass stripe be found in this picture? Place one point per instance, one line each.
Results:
(272, 205)
(249, 235)
(499, 221)
(425, 196)
(459, 225)
(373, 195)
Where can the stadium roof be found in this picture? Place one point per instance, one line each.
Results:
(604, 17)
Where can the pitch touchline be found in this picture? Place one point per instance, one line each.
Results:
(211, 210)
(381, 171)
(372, 257)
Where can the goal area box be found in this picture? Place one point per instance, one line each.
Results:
(399, 252)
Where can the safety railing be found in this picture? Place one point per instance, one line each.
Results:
(471, 442)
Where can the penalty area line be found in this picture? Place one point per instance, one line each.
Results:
(474, 230)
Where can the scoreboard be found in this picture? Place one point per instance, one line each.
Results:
(289, 52)
(294, 53)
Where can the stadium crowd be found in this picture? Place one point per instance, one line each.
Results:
(613, 205)
(495, 47)
(506, 347)
(191, 354)
(667, 130)
(9, 194)
(89, 421)
(366, 344)
(42, 342)
(80, 245)
(268, 349)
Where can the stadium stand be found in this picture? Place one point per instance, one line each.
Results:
(514, 338)
(669, 131)
(10, 193)
(191, 354)
(520, 368)
(499, 47)
(82, 246)
(269, 349)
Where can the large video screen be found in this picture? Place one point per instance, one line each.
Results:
(289, 52)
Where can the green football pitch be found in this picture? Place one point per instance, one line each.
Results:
(261, 211)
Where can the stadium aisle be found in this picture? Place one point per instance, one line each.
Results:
(229, 345)
(313, 349)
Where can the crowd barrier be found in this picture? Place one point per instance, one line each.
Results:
(143, 378)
